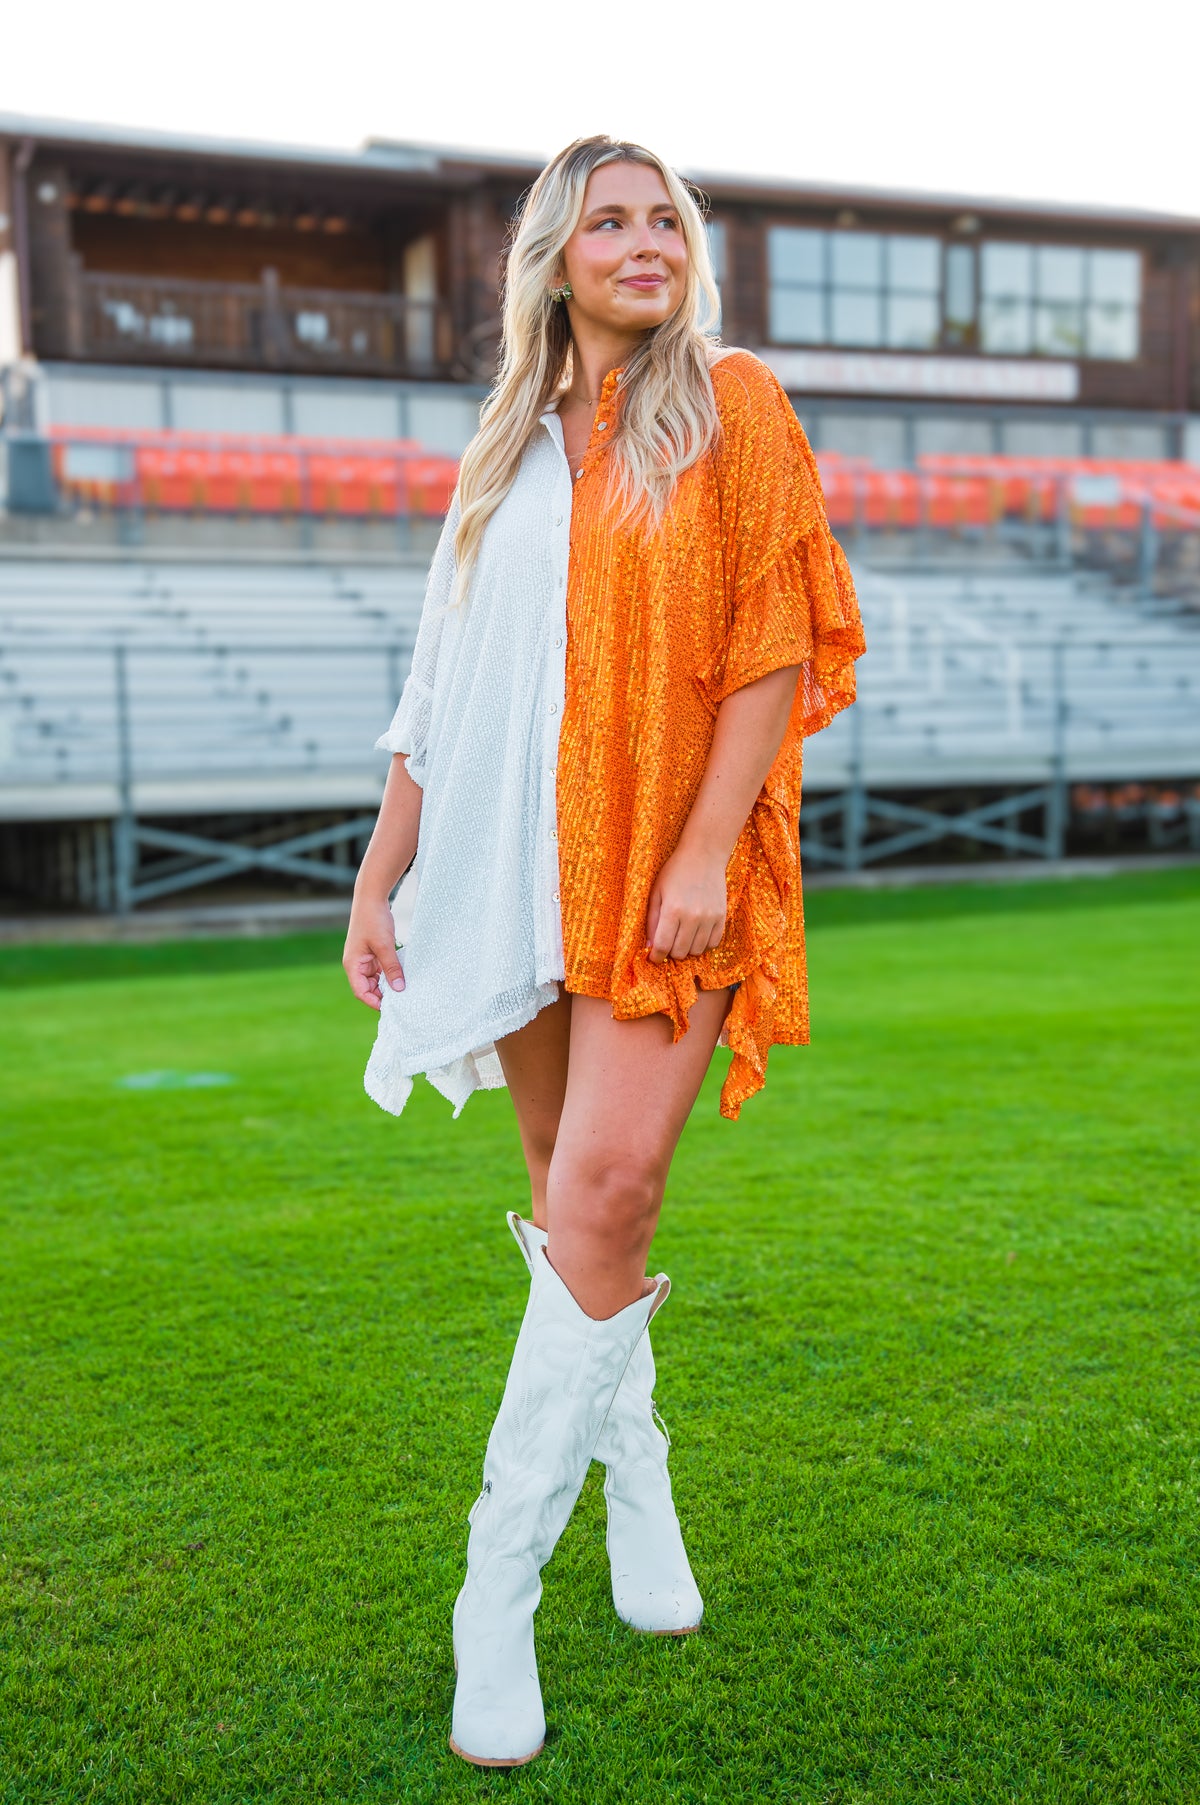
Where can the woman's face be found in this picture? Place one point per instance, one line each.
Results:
(627, 258)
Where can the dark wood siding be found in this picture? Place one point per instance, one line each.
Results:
(117, 211)
(201, 252)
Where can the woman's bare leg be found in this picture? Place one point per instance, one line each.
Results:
(534, 1062)
(629, 1091)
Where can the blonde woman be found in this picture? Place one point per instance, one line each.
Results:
(635, 614)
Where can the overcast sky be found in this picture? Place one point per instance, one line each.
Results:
(1030, 98)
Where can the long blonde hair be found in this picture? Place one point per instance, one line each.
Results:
(668, 416)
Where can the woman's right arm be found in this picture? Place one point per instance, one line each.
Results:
(370, 951)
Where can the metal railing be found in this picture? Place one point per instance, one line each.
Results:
(262, 325)
(1147, 541)
(122, 481)
(963, 740)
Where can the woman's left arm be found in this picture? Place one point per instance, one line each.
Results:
(687, 903)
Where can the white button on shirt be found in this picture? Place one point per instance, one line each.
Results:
(479, 719)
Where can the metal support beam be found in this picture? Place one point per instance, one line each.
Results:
(1147, 556)
(125, 826)
(1056, 802)
(992, 824)
(213, 859)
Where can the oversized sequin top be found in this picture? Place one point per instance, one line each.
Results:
(743, 578)
(558, 777)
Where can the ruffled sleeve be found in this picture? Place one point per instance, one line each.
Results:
(409, 729)
(790, 597)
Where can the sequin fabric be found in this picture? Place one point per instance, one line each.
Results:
(743, 577)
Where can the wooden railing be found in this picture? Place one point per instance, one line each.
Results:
(255, 325)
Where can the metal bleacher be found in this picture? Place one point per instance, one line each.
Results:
(973, 675)
(992, 690)
(245, 686)
(137, 689)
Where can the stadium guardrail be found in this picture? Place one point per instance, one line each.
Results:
(1139, 520)
(958, 737)
(238, 475)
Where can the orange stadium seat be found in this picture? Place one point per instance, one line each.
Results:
(231, 473)
(179, 471)
(430, 482)
(837, 484)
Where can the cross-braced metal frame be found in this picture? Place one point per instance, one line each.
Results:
(199, 858)
(866, 822)
(202, 860)
(856, 810)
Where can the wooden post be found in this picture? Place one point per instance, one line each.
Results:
(50, 258)
(274, 324)
(74, 315)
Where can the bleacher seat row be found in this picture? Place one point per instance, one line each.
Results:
(262, 672)
(188, 472)
(180, 472)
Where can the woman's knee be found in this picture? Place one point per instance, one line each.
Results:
(616, 1195)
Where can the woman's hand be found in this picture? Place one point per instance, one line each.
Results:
(370, 953)
(687, 906)
(686, 916)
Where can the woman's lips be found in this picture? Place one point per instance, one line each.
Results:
(648, 283)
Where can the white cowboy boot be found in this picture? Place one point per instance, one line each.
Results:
(565, 1370)
(652, 1584)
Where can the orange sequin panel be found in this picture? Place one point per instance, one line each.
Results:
(743, 577)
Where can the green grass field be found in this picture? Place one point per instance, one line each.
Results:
(930, 1365)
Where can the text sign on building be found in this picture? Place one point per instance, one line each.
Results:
(974, 378)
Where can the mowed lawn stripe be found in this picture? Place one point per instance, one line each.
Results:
(930, 1366)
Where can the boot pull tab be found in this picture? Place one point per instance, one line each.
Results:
(661, 1293)
(528, 1236)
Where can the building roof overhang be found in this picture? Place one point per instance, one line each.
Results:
(445, 166)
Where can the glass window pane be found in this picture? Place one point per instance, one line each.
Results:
(1059, 273)
(1042, 439)
(879, 437)
(856, 318)
(1008, 269)
(960, 284)
(912, 321)
(795, 254)
(1112, 330)
(857, 259)
(913, 264)
(1058, 328)
(1115, 276)
(1130, 441)
(715, 230)
(797, 316)
(226, 407)
(716, 247)
(1004, 326)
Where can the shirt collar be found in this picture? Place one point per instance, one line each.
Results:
(606, 390)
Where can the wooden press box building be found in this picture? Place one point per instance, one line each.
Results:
(149, 280)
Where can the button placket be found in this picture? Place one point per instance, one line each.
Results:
(556, 680)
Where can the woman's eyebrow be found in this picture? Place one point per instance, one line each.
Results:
(620, 207)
